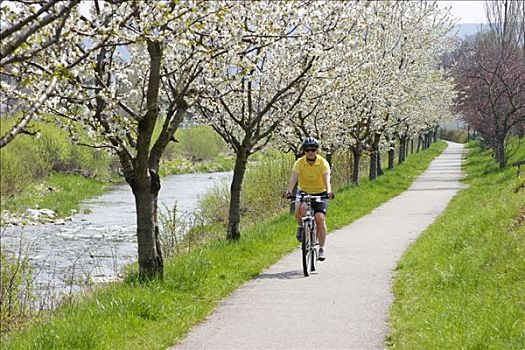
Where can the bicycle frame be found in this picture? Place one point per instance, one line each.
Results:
(309, 244)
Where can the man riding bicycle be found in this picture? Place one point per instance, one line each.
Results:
(313, 173)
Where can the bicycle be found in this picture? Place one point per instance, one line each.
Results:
(309, 242)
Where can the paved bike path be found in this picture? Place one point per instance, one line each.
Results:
(345, 304)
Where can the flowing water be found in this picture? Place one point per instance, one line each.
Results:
(100, 243)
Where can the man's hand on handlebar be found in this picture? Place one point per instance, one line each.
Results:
(330, 195)
(287, 195)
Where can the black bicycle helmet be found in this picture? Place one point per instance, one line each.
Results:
(309, 142)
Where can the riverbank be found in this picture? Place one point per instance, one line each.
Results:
(45, 178)
(54, 199)
(59, 196)
(153, 315)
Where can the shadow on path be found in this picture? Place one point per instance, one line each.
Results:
(287, 275)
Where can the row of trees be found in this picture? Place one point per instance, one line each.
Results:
(358, 75)
(490, 71)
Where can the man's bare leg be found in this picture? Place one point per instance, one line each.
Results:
(321, 228)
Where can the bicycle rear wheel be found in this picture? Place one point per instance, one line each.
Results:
(307, 251)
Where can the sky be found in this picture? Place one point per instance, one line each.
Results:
(466, 11)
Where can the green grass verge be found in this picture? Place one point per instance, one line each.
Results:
(461, 285)
(154, 315)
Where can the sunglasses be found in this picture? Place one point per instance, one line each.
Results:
(310, 149)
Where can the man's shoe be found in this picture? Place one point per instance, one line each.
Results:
(321, 256)
(299, 234)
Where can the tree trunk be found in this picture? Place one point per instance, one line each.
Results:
(372, 173)
(501, 158)
(418, 143)
(402, 146)
(379, 167)
(234, 217)
(145, 181)
(374, 158)
(349, 168)
(329, 159)
(411, 146)
(356, 153)
(149, 248)
(391, 156)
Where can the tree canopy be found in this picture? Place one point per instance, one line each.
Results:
(355, 74)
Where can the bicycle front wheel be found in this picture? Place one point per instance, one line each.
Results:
(307, 251)
(314, 244)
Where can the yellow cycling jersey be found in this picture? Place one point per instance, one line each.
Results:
(311, 175)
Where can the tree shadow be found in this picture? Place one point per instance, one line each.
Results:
(287, 275)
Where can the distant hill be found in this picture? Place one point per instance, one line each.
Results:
(466, 29)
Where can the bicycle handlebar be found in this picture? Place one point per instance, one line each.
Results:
(304, 196)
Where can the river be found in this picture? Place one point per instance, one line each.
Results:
(99, 243)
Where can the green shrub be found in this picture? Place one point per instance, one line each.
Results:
(29, 159)
(196, 143)
(263, 185)
(20, 165)
(88, 162)
(459, 136)
(54, 147)
(214, 206)
(15, 176)
(264, 181)
(198, 149)
(342, 164)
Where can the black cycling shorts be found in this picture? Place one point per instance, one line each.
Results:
(319, 206)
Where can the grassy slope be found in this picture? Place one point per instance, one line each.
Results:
(61, 193)
(154, 315)
(462, 283)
